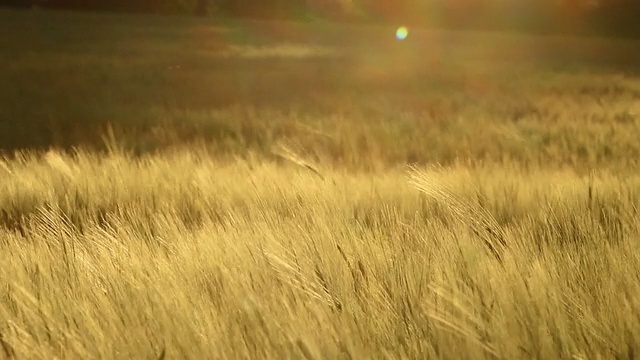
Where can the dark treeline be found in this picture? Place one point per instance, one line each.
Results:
(613, 17)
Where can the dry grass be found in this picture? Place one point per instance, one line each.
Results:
(267, 191)
(180, 254)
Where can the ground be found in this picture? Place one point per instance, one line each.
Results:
(214, 188)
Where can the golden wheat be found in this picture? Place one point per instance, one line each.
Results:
(182, 255)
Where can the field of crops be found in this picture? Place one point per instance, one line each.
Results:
(198, 188)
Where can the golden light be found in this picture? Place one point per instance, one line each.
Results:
(402, 33)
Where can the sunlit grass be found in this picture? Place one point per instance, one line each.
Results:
(115, 257)
(180, 188)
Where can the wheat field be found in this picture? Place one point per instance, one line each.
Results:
(346, 207)
(111, 257)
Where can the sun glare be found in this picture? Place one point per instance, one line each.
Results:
(402, 33)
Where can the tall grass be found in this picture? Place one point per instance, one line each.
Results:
(109, 256)
(176, 188)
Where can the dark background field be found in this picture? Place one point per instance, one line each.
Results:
(242, 86)
(614, 18)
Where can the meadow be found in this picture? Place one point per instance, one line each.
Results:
(215, 188)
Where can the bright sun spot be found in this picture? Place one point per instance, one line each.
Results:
(402, 33)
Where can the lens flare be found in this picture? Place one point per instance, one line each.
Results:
(402, 33)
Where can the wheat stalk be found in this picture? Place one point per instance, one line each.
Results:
(56, 162)
(5, 167)
(286, 153)
(478, 219)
